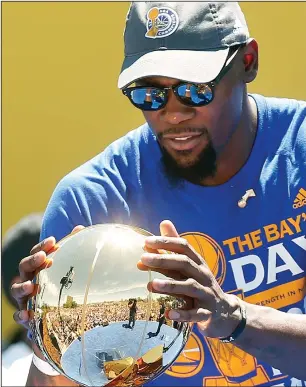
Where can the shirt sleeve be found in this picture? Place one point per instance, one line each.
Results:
(86, 197)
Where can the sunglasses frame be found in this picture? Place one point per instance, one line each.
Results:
(127, 91)
(165, 90)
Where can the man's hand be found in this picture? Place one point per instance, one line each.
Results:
(28, 268)
(216, 312)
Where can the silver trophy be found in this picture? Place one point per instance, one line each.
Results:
(94, 318)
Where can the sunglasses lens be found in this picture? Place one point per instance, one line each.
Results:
(148, 98)
(195, 95)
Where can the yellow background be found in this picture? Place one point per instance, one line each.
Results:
(61, 105)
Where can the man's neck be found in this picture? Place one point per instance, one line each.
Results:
(239, 148)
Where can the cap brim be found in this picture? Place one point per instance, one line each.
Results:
(186, 65)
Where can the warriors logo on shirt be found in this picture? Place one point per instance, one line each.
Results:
(210, 250)
(191, 359)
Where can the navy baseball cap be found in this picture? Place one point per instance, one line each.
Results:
(189, 41)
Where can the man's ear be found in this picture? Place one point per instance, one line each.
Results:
(250, 60)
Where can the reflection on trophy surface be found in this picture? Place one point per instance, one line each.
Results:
(95, 320)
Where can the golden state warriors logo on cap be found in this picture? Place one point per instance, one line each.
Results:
(161, 22)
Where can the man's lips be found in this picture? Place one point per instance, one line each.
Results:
(183, 141)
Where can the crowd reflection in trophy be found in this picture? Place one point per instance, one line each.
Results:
(66, 321)
(69, 327)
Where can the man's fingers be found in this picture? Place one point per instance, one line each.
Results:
(28, 266)
(190, 288)
(175, 245)
(167, 228)
(149, 250)
(21, 317)
(168, 273)
(192, 315)
(21, 292)
(48, 244)
(44, 245)
(181, 264)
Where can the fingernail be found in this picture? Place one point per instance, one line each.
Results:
(150, 239)
(20, 316)
(23, 288)
(147, 259)
(36, 257)
(159, 284)
(173, 315)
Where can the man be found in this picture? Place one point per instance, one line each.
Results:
(68, 278)
(132, 305)
(161, 317)
(17, 242)
(228, 169)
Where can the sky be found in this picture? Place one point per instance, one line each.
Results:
(104, 258)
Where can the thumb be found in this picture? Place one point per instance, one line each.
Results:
(167, 228)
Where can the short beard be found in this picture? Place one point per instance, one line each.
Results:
(205, 166)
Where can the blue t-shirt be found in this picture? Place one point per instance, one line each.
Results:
(257, 252)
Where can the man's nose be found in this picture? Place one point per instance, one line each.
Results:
(175, 112)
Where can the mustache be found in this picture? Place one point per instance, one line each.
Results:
(176, 130)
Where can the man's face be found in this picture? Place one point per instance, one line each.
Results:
(192, 138)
